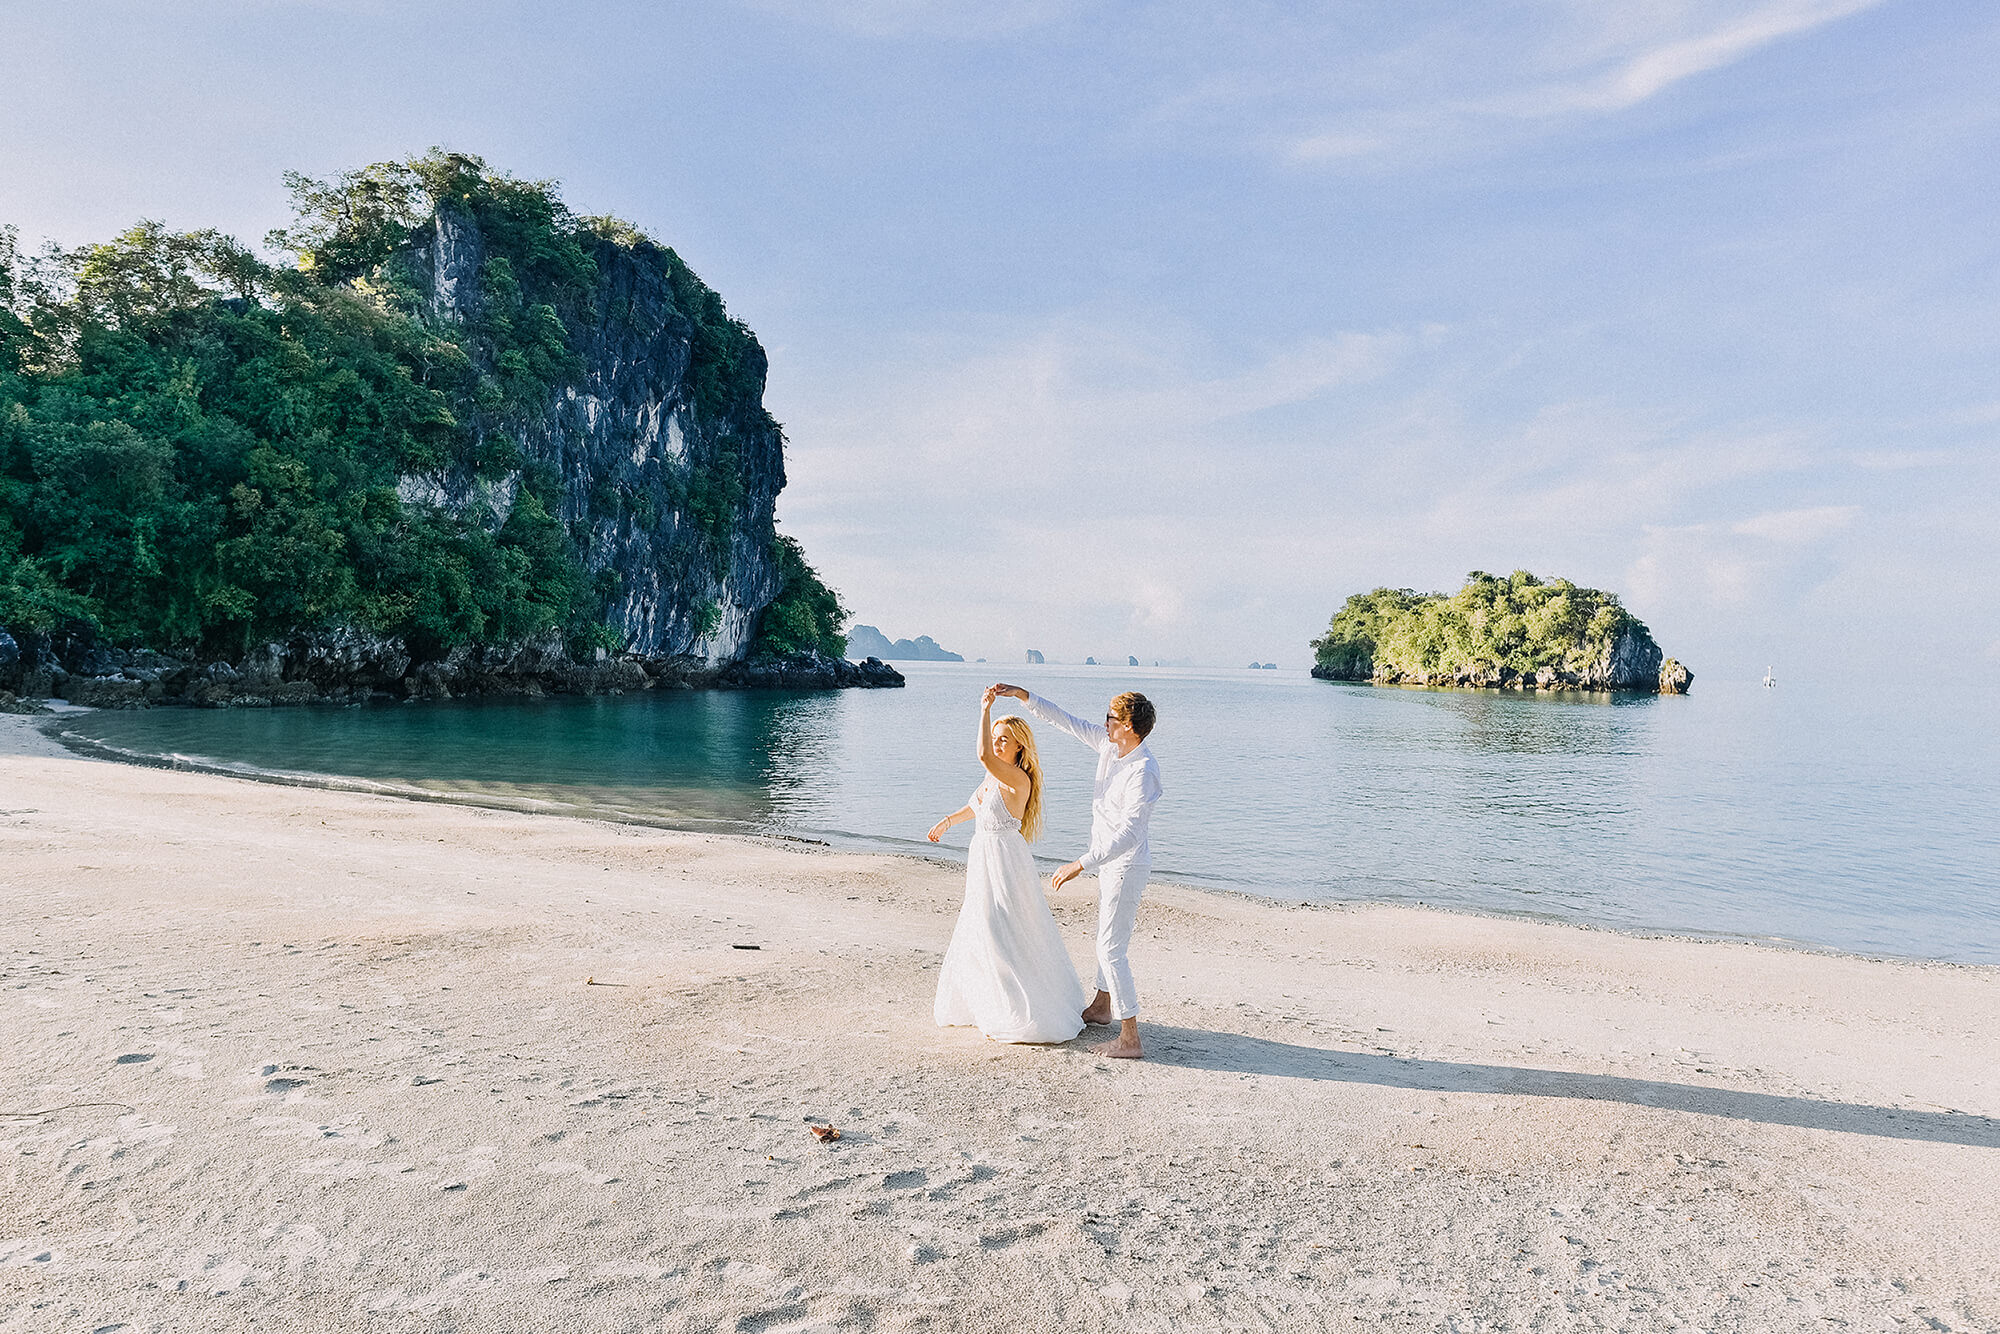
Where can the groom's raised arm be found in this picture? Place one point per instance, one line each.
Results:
(1090, 734)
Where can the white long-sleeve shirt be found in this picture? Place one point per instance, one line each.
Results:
(1121, 802)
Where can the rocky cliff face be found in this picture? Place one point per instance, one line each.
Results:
(645, 470)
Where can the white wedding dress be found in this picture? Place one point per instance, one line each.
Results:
(1006, 971)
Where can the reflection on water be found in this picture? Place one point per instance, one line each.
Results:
(1855, 821)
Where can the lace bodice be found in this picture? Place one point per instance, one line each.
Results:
(989, 810)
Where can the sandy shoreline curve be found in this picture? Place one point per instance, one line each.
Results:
(284, 1057)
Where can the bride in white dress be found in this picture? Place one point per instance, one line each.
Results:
(1006, 971)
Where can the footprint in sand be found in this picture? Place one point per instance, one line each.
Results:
(16, 1254)
(998, 1238)
(979, 1174)
(557, 1169)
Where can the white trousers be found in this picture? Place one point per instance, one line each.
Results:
(1118, 889)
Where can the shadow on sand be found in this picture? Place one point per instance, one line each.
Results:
(1199, 1049)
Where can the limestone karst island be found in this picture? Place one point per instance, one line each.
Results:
(1512, 633)
(463, 441)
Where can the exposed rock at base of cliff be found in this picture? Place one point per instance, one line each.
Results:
(807, 671)
(352, 667)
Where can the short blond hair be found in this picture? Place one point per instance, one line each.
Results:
(1135, 711)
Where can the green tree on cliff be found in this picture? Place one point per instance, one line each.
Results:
(807, 616)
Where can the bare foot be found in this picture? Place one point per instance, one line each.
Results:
(1125, 1047)
(1099, 1009)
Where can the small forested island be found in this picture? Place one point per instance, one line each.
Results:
(1513, 633)
(866, 641)
(463, 440)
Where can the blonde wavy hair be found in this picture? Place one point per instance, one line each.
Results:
(1029, 761)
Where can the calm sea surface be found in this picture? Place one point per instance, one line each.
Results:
(1858, 819)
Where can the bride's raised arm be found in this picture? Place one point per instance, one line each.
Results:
(1008, 775)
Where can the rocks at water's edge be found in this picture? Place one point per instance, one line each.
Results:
(352, 667)
(1034, 655)
(808, 672)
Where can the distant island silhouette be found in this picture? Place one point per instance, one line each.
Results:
(865, 641)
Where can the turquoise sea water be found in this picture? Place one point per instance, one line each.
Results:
(1860, 820)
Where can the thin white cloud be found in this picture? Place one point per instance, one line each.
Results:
(1682, 569)
(1051, 398)
(1798, 527)
(1577, 71)
(1649, 72)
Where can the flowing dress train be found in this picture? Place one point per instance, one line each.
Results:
(1006, 971)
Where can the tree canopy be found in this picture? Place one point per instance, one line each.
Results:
(1518, 623)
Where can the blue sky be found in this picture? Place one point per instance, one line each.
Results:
(1161, 328)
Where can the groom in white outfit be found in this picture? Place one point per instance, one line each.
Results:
(1121, 808)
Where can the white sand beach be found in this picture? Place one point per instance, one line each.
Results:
(288, 1059)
